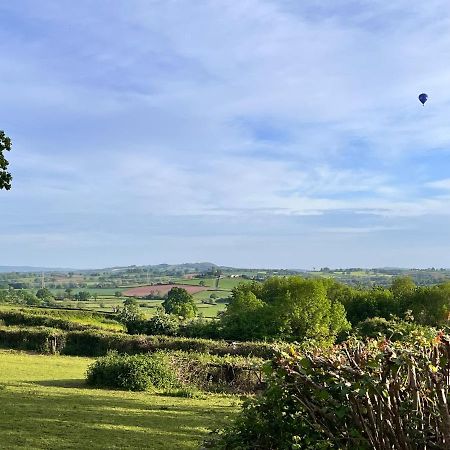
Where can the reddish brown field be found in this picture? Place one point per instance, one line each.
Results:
(160, 290)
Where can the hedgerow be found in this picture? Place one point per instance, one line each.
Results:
(393, 329)
(377, 395)
(92, 343)
(39, 339)
(98, 343)
(64, 320)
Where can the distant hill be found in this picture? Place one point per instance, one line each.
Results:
(198, 267)
(189, 267)
(31, 269)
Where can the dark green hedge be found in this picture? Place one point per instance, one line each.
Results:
(66, 322)
(92, 343)
(39, 339)
(98, 343)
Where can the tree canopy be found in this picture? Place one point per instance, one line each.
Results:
(5, 176)
(289, 308)
(180, 303)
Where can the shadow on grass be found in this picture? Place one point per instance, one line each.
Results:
(102, 420)
(69, 383)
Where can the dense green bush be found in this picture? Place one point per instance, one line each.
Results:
(64, 320)
(92, 343)
(98, 343)
(290, 308)
(363, 396)
(131, 372)
(231, 374)
(234, 374)
(39, 339)
(429, 305)
(160, 323)
(393, 330)
(201, 328)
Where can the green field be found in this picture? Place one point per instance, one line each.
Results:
(224, 283)
(45, 405)
(106, 303)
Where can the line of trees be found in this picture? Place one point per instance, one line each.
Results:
(427, 305)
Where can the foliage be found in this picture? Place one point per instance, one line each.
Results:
(64, 320)
(39, 339)
(44, 293)
(161, 323)
(394, 330)
(291, 308)
(180, 303)
(193, 370)
(429, 305)
(19, 296)
(232, 374)
(402, 287)
(131, 316)
(131, 372)
(200, 328)
(5, 176)
(82, 296)
(98, 343)
(376, 302)
(378, 395)
(93, 343)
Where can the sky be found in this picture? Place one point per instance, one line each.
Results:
(258, 133)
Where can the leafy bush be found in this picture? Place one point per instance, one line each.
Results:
(131, 372)
(93, 343)
(364, 396)
(55, 319)
(39, 339)
(188, 372)
(291, 309)
(130, 312)
(201, 328)
(217, 373)
(394, 330)
(161, 323)
(98, 343)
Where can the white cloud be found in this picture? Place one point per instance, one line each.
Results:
(440, 184)
(157, 111)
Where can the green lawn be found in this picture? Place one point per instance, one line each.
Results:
(45, 405)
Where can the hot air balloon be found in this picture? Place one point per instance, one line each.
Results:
(423, 98)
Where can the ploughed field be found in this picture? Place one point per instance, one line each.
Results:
(160, 290)
(45, 404)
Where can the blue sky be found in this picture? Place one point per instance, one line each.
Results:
(253, 133)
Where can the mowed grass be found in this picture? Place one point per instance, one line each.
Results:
(45, 405)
